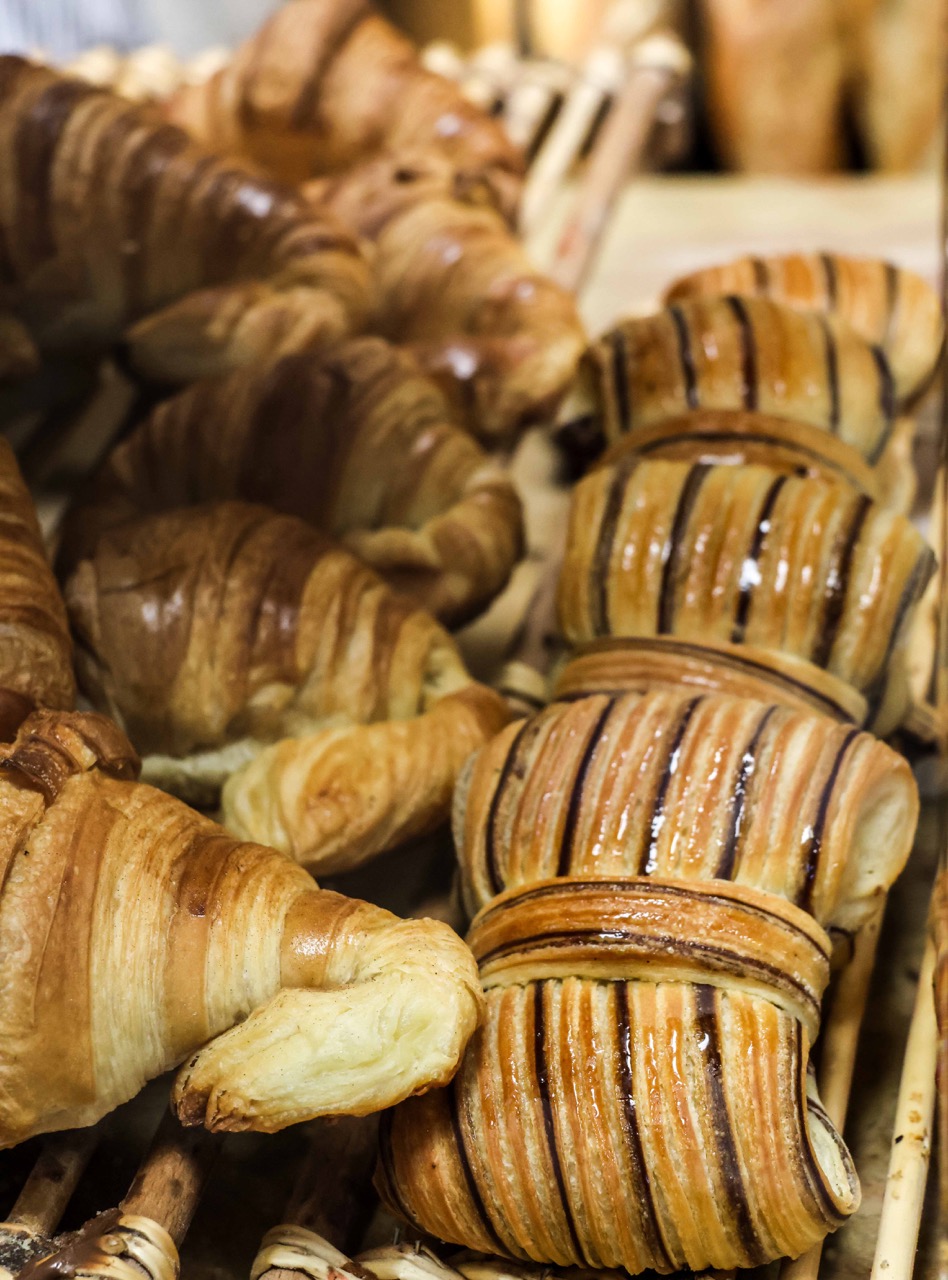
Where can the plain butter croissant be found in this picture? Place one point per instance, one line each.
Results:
(35, 648)
(891, 308)
(110, 216)
(656, 874)
(747, 555)
(239, 646)
(135, 934)
(325, 84)
(733, 353)
(353, 439)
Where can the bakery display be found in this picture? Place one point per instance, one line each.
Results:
(238, 646)
(148, 937)
(356, 441)
(113, 219)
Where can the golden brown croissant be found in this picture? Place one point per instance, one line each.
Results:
(734, 353)
(455, 283)
(136, 933)
(654, 873)
(112, 216)
(747, 555)
(212, 632)
(325, 84)
(894, 309)
(354, 440)
(35, 649)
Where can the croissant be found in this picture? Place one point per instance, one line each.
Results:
(136, 934)
(325, 84)
(36, 652)
(889, 307)
(747, 555)
(212, 632)
(353, 439)
(734, 353)
(112, 216)
(656, 874)
(455, 283)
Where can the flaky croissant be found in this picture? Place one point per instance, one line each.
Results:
(136, 934)
(35, 649)
(112, 217)
(455, 283)
(733, 353)
(747, 555)
(891, 308)
(656, 873)
(325, 84)
(237, 645)
(354, 440)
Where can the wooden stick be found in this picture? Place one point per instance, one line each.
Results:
(172, 1177)
(904, 1196)
(53, 1179)
(840, 1040)
(657, 66)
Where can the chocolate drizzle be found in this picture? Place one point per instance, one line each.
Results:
(620, 379)
(576, 791)
(725, 867)
(672, 550)
(887, 403)
(510, 765)
(832, 374)
(837, 583)
(749, 569)
(749, 376)
(761, 275)
(685, 356)
(546, 1102)
(891, 302)
(831, 280)
(812, 864)
(599, 562)
(647, 858)
(476, 1198)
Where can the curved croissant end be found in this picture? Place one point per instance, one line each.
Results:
(335, 799)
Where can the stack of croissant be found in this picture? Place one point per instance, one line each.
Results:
(658, 863)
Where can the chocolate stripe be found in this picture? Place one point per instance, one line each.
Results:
(804, 1147)
(599, 576)
(750, 569)
(911, 593)
(735, 1192)
(387, 1169)
(477, 1199)
(672, 549)
(832, 373)
(543, 1090)
(685, 356)
(892, 278)
(886, 401)
(620, 379)
(837, 584)
(749, 377)
(490, 835)
(305, 108)
(642, 1186)
(761, 275)
(576, 792)
(737, 808)
(654, 829)
(812, 864)
(830, 280)
(735, 439)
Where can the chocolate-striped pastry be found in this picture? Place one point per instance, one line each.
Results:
(746, 555)
(890, 307)
(110, 217)
(640, 664)
(732, 353)
(237, 645)
(356, 441)
(655, 875)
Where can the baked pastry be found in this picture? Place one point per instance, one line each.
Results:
(325, 85)
(888, 306)
(734, 353)
(237, 645)
(35, 649)
(747, 555)
(658, 873)
(774, 83)
(116, 1245)
(112, 217)
(354, 440)
(144, 935)
(455, 284)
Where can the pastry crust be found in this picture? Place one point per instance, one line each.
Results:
(889, 307)
(230, 636)
(111, 216)
(357, 442)
(747, 555)
(143, 934)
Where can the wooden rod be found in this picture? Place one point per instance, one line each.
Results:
(52, 1180)
(172, 1177)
